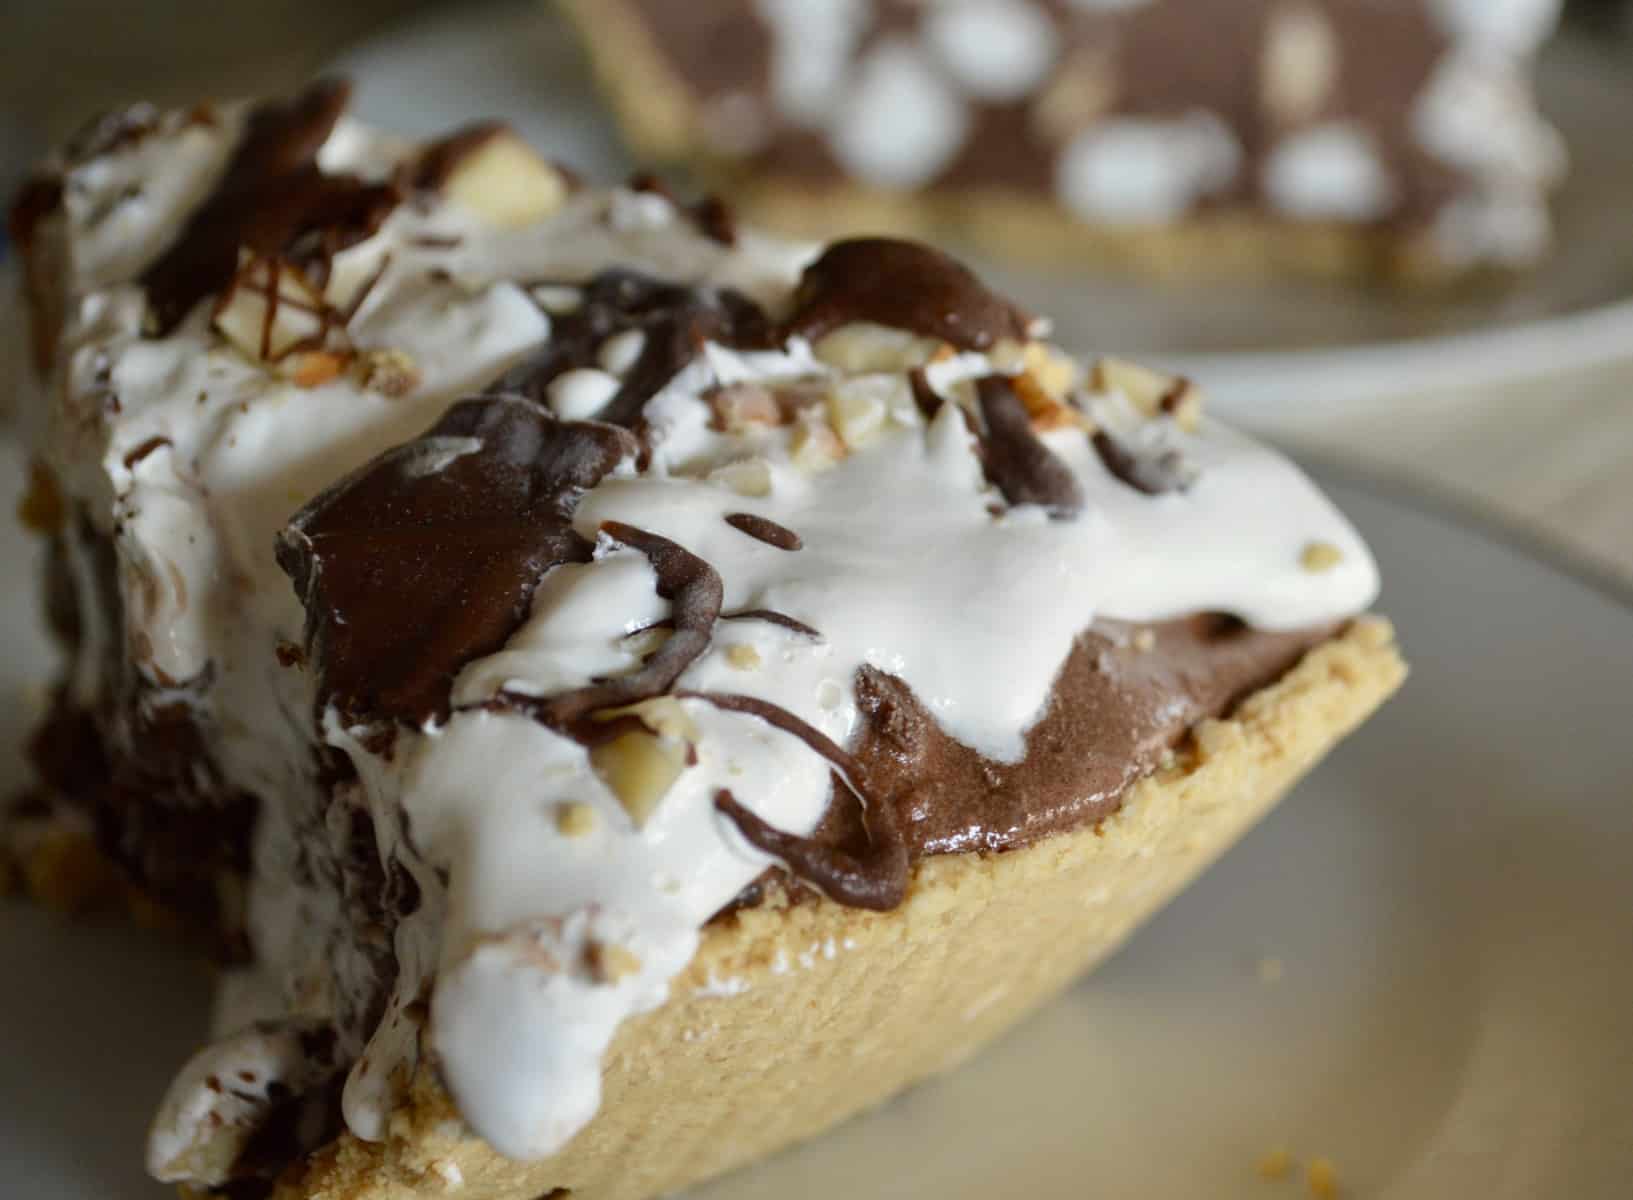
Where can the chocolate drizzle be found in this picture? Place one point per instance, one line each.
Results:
(905, 285)
(873, 876)
(1015, 459)
(763, 529)
(694, 591)
(272, 200)
(427, 558)
(1154, 474)
(676, 320)
(772, 617)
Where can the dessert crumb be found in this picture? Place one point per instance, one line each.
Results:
(1320, 556)
(575, 819)
(742, 656)
(1275, 1165)
(1322, 1177)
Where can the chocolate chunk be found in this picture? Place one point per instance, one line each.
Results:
(676, 320)
(1154, 474)
(36, 200)
(427, 558)
(694, 591)
(905, 285)
(765, 530)
(1015, 460)
(272, 200)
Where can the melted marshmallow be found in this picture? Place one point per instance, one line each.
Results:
(519, 1015)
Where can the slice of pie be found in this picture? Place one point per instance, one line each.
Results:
(616, 692)
(1353, 138)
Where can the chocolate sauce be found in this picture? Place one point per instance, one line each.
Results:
(694, 591)
(904, 285)
(676, 320)
(763, 529)
(1014, 458)
(407, 574)
(1152, 473)
(273, 201)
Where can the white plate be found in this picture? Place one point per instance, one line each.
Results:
(1259, 345)
(1449, 898)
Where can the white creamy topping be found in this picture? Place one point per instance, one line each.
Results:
(1137, 170)
(1329, 171)
(551, 906)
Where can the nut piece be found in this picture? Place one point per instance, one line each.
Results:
(392, 373)
(1320, 556)
(862, 347)
(1047, 411)
(316, 367)
(645, 641)
(506, 182)
(742, 656)
(575, 819)
(814, 447)
(1153, 393)
(750, 477)
(639, 769)
(744, 407)
(609, 962)
(1056, 372)
(641, 765)
(856, 410)
(1300, 63)
(298, 318)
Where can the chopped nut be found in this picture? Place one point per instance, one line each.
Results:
(1082, 89)
(390, 372)
(750, 477)
(506, 182)
(1275, 1165)
(815, 447)
(1320, 556)
(744, 407)
(41, 507)
(1323, 1178)
(639, 769)
(862, 347)
(1183, 406)
(316, 367)
(298, 316)
(574, 819)
(742, 656)
(1300, 62)
(610, 962)
(1047, 411)
(857, 412)
(1145, 641)
(1147, 390)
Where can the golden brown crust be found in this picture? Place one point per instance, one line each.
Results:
(764, 1039)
